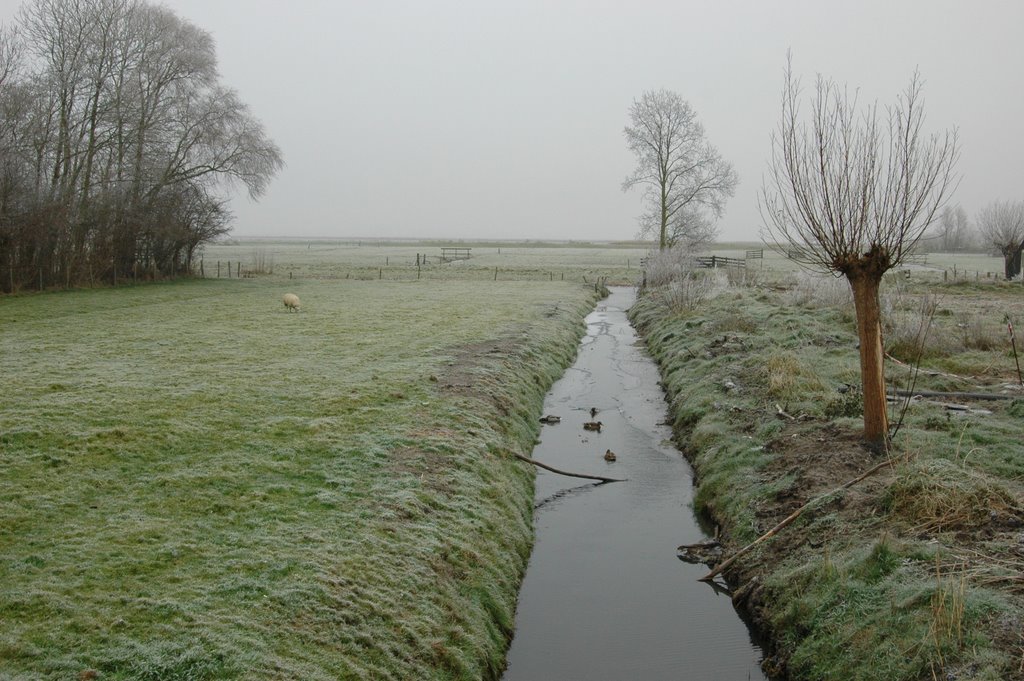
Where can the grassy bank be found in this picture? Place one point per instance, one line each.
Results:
(912, 574)
(197, 484)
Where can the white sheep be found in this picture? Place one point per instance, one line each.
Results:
(291, 302)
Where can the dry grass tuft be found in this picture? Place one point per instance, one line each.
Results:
(947, 610)
(977, 332)
(789, 378)
(938, 495)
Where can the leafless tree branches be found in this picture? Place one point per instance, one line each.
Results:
(953, 231)
(683, 176)
(850, 192)
(1001, 224)
(118, 138)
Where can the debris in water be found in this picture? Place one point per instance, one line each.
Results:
(708, 552)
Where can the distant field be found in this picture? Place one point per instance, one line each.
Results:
(616, 262)
(197, 484)
(398, 261)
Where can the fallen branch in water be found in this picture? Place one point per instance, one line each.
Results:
(793, 516)
(571, 475)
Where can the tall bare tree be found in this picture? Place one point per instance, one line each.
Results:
(1001, 224)
(682, 174)
(848, 194)
(952, 232)
(116, 141)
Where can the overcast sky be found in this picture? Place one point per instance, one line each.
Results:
(504, 119)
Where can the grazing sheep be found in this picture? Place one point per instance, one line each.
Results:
(291, 302)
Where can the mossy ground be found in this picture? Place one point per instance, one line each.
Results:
(912, 574)
(197, 484)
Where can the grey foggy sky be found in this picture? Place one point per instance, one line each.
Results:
(504, 119)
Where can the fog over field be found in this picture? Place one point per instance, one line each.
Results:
(504, 120)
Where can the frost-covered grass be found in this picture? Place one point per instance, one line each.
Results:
(914, 573)
(391, 260)
(195, 484)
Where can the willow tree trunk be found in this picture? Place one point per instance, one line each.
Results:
(872, 371)
(1013, 262)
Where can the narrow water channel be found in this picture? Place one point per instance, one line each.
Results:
(605, 596)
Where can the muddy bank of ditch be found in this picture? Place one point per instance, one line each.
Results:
(605, 596)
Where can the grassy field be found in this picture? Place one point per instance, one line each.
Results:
(387, 260)
(197, 484)
(916, 572)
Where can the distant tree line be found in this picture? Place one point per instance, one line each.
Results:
(117, 142)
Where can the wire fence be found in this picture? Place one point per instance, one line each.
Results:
(37, 278)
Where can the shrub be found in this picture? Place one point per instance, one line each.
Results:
(849, 404)
(679, 283)
(669, 265)
(977, 333)
(818, 290)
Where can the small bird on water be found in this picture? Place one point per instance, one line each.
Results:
(551, 419)
(593, 412)
(609, 455)
(592, 425)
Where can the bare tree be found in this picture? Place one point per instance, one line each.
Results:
(847, 194)
(952, 233)
(9, 54)
(116, 141)
(1001, 224)
(682, 174)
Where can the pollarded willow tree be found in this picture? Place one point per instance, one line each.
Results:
(849, 193)
(683, 175)
(1001, 224)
